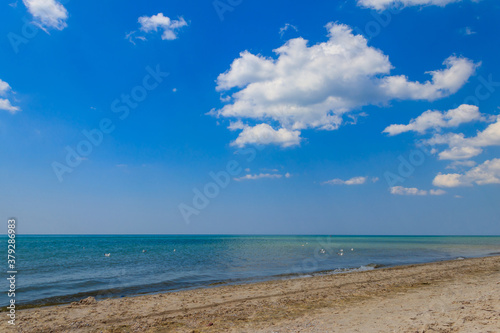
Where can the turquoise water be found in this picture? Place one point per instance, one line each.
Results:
(60, 269)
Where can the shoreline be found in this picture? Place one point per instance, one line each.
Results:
(306, 302)
(243, 281)
(240, 282)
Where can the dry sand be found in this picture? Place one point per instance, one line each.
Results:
(451, 296)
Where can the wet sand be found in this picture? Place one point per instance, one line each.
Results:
(450, 296)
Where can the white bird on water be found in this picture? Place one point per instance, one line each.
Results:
(107, 254)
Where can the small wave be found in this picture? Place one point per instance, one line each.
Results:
(376, 265)
(357, 269)
(217, 283)
(363, 268)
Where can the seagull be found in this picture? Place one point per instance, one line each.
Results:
(107, 254)
(352, 249)
(341, 250)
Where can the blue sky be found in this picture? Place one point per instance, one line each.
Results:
(339, 117)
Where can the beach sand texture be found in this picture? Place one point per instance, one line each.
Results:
(450, 296)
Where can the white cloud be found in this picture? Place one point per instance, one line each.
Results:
(437, 192)
(259, 176)
(447, 180)
(436, 120)
(48, 13)
(263, 134)
(458, 153)
(132, 37)
(286, 27)
(443, 83)
(460, 164)
(237, 125)
(352, 181)
(5, 103)
(160, 22)
(468, 31)
(400, 190)
(489, 137)
(483, 174)
(384, 4)
(4, 88)
(461, 147)
(314, 86)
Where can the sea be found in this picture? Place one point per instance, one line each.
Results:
(58, 269)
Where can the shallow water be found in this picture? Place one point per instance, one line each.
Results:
(59, 269)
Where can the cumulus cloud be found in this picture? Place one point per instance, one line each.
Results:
(459, 153)
(352, 181)
(448, 180)
(460, 147)
(260, 176)
(4, 88)
(436, 120)
(159, 22)
(443, 83)
(7, 106)
(5, 103)
(47, 13)
(384, 4)
(483, 174)
(400, 190)
(312, 87)
(263, 134)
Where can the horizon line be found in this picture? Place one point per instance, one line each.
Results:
(228, 234)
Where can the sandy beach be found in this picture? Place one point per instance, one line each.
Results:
(450, 296)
